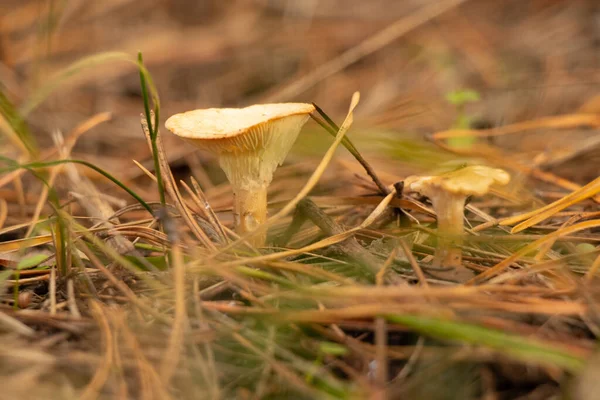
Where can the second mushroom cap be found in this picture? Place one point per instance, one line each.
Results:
(471, 180)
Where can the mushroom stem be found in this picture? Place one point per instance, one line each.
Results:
(249, 211)
(450, 221)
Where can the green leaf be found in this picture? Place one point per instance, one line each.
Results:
(462, 97)
(31, 261)
(583, 248)
(158, 262)
(332, 348)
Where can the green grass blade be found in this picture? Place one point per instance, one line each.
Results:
(332, 128)
(36, 165)
(153, 127)
(519, 347)
(18, 124)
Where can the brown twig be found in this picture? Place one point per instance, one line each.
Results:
(350, 246)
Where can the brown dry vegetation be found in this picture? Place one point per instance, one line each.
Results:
(102, 299)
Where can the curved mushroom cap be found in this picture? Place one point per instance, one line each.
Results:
(467, 181)
(238, 129)
(250, 142)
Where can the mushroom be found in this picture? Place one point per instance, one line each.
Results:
(448, 193)
(250, 144)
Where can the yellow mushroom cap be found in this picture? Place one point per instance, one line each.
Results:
(236, 129)
(467, 181)
(250, 142)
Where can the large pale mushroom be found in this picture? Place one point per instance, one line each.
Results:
(448, 193)
(250, 144)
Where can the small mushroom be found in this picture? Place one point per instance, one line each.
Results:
(250, 144)
(448, 193)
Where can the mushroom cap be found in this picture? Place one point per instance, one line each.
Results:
(250, 142)
(467, 181)
(236, 129)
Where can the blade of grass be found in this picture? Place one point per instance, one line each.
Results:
(332, 128)
(173, 351)
(62, 240)
(38, 165)
(519, 347)
(200, 264)
(533, 217)
(498, 268)
(18, 125)
(172, 189)
(93, 388)
(556, 122)
(14, 245)
(152, 127)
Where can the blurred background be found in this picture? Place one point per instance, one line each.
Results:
(420, 65)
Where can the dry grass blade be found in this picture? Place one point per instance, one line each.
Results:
(200, 201)
(498, 268)
(413, 263)
(15, 325)
(314, 246)
(96, 206)
(558, 122)
(64, 149)
(94, 387)
(175, 343)
(350, 247)
(593, 269)
(210, 213)
(14, 245)
(171, 188)
(3, 212)
(119, 284)
(534, 217)
(145, 170)
(150, 383)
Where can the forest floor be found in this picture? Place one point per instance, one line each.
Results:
(116, 287)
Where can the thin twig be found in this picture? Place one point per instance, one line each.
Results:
(350, 246)
(210, 213)
(52, 291)
(413, 263)
(71, 299)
